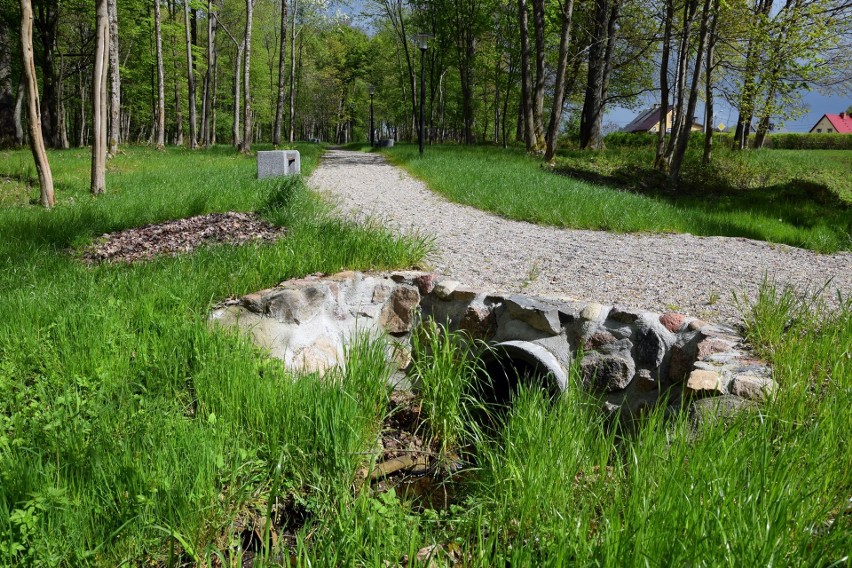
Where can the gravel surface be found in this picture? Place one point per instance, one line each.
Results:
(659, 272)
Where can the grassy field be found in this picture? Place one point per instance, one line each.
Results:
(131, 433)
(614, 190)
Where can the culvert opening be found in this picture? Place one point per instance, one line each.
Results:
(506, 366)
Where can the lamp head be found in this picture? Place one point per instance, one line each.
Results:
(422, 41)
(372, 90)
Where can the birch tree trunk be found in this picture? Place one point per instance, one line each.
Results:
(567, 10)
(115, 81)
(190, 80)
(538, 90)
(279, 109)
(246, 143)
(45, 177)
(99, 98)
(19, 104)
(161, 95)
(292, 110)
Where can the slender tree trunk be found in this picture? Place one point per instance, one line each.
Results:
(686, 121)
(567, 10)
(178, 139)
(19, 104)
(590, 125)
(678, 114)
(190, 80)
(749, 89)
(161, 96)
(292, 107)
(99, 98)
(247, 123)
(708, 85)
(115, 81)
(47, 23)
(538, 89)
(213, 99)
(207, 101)
(237, 102)
(279, 108)
(45, 177)
(81, 132)
(526, 112)
(660, 161)
(7, 92)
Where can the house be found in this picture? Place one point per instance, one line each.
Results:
(649, 121)
(830, 123)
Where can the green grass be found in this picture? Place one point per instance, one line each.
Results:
(131, 432)
(129, 428)
(511, 184)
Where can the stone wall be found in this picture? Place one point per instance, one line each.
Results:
(629, 357)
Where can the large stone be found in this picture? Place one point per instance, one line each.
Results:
(535, 314)
(444, 288)
(652, 342)
(599, 339)
(398, 313)
(704, 412)
(702, 382)
(623, 315)
(606, 373)
(296, 305)
(709, 347)
(752, 387)
(592, 312)
(425, 283)
(683, 354)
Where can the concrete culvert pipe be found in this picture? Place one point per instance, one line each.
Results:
(506, 365)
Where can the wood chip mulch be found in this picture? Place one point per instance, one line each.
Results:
(180, 237)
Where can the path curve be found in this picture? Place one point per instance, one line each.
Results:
(658, 272)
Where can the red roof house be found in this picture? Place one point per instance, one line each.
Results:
(830, 123)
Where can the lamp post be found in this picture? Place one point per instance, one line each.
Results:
(421, 43)
(372, 131)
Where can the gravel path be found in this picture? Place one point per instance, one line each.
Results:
(658, 272)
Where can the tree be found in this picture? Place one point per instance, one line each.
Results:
(45, 177)
(245, 145)
(279, 107)
(115, 80)
(567, 11)
(190, 78)
(161, 96)
(99, 98)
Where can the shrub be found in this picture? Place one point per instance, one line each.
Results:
(799, 141)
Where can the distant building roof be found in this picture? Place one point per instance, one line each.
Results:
(842, 122)
(646, 119)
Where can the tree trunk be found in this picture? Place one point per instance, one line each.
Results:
(538, 90)
(99, 98)
(7, 92)
(660, 161)
(115, 81)
(279, 108)
(686, 120)
(246, 143)
(292, 95)
(207, 101)
(45, 177)
(567, 9)
(47, 24)
(526, 112)
(178, 139)
(190, 80)
(19, 104)
(749, 90)
(590, 124)
(678, 114)
(213, 99)
(708, 85)
(161, 96)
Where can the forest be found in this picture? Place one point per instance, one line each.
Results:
(493, 71)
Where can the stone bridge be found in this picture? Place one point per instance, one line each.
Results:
(631, 358)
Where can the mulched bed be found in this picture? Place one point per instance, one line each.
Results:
(180, 237)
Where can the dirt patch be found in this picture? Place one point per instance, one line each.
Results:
(180, 237)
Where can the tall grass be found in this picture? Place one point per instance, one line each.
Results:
(128, 428)
(509, 183)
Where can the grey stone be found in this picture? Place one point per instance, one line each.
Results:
(444, 288)
(295, 305)
(623, 315)
(592, 312)
(704, 412)
(479, 321)
(535, 314)
(606, 373)
(653, 341)
(752, 387)
(644, 381)
(273, 163)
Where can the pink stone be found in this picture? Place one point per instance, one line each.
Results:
(672, 321)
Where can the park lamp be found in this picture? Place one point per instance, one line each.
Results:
(372, 90)
(422, 40)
